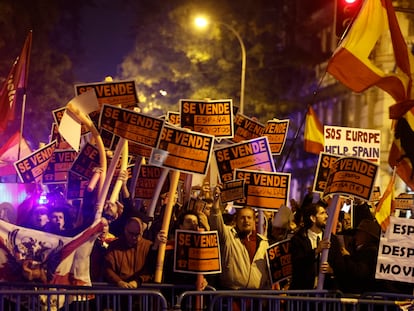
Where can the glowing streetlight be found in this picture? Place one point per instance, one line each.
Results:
(202, 22)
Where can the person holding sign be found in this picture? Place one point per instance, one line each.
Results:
(243, 250)
(187, 220)
(306, 248)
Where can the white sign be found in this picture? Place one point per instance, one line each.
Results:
(354, 142)
(396, 252)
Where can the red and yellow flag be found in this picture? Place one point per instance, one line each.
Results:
(313, 135)
(385, 206)
(351, 65)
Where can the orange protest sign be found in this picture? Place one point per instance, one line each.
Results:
(232, 190)
(86, 161)
(173, 117)
(265, 190)
(137, 127)
(276, 131)
(253, 154)
(57, 168)
(113, 93)
(351, 176)
(147, 182)
(246, 128)
(31, 168)
(326, 160)
(279, 261)
(188, 151)
(213, 117)
(197, 252)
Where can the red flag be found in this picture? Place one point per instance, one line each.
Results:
(313, 135)
(9, 153)
(385, 206)
(351, 65)
(16, 79)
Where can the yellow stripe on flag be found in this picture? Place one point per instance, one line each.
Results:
(313, 135)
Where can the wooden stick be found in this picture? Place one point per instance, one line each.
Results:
(175, 176)
(135, 175)
(333, 213)
(118, 183)
(110, 174)
(157, 192)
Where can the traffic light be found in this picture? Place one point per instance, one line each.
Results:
(346, 11)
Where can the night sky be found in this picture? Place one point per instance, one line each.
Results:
(105, 41)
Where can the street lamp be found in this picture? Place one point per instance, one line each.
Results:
(202, 22)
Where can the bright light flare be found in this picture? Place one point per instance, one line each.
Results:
(201, 22)
(350, 1)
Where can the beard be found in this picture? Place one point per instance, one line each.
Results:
(320, 224)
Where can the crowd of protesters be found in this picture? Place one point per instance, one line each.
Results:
(125, 253)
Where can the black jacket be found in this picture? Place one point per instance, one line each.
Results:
(305, 262)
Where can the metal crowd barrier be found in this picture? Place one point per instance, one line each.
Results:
(248, 299)
(162, 297)
(272, 300)
(172, 292)
(402, 301)
(81, 299)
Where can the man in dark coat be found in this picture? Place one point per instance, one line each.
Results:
(306, 248)
(361, 260)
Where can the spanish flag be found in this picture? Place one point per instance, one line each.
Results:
(385, 206)
(350, 63)
(313, 136)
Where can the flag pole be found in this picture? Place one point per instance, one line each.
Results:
(21, 124)
(23, 82)
(21, 129)
(302, 122)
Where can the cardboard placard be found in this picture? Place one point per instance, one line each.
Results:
(197, 252)
(137, 127)
(279, 261)
(276, 131)
(147, 182)
(76, 185)
(354, 142)
(253, 154)
(87, 159)
(214, 117)
(173, 117)
(264, 190)
(351, 176)
(187, 151)
(396, 251)
(31, 168)
(122, 93)
(246, 128)
(57, 169)
(232, 191)
(325, 162)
